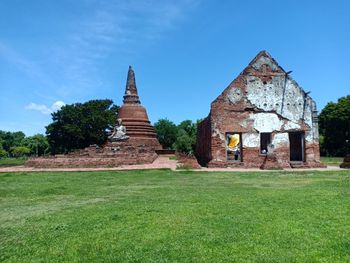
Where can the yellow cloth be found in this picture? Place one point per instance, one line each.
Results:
(234, 141)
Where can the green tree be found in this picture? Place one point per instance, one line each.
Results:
(11, 139)
(183, 143)
(189, 127)
(81, 124)
(186, 137)
(38, 144)
(3, 153)
(167, 132)
(19, 151)
(334, 122)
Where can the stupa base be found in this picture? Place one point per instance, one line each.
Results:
(112, 154)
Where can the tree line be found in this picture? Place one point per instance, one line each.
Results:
(181, 138)
(17, 144)
(79, 125)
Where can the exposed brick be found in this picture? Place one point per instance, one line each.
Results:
(346, 162)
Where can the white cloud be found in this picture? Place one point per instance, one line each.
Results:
(45, 109)
(57, 105)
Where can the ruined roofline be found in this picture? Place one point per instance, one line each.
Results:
(262, 53)
(245, 72)
(268, 55)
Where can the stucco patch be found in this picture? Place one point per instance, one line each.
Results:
(309, 137)
(268, 96)
(234, 95)
(266, 122)
(280, 138)
(216, 132)
(289, 125)
(251, 139)
(265, 60)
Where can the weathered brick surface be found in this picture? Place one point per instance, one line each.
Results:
(187, 161)
(132, 151)
(346, 162)
(263, 98)
(203, 146)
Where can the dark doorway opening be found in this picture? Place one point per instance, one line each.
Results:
(296, 146)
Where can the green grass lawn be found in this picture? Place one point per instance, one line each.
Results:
(166, 216)
(4, 162)
(332, 161)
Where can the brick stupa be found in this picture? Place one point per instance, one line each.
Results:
(134, 116)
(133, 140)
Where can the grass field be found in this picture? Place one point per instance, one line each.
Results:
(165, 216)
(4, 162)
(332, 161)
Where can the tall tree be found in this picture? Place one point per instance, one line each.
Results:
(81, 124)
(186, 137)
(166, 131)
(334, 123)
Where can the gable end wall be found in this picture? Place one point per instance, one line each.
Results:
(263, 98)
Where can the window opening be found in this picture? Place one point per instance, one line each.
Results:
(265, 140)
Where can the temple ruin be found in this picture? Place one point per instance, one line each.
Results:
(132, 141)
(263, 119)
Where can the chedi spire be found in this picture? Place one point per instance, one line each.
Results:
(131, 95)
(134, 116)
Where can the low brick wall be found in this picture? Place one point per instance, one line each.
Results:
(113, 154)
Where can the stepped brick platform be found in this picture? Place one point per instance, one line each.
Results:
(137, 146)
(112, 154)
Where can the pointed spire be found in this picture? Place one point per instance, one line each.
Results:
(131, 95)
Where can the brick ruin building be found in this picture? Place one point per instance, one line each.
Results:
(262, 119)
(133, 140)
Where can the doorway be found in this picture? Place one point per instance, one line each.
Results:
(296, 146)
(234, 147)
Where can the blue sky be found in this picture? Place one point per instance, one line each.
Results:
(184, 52)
